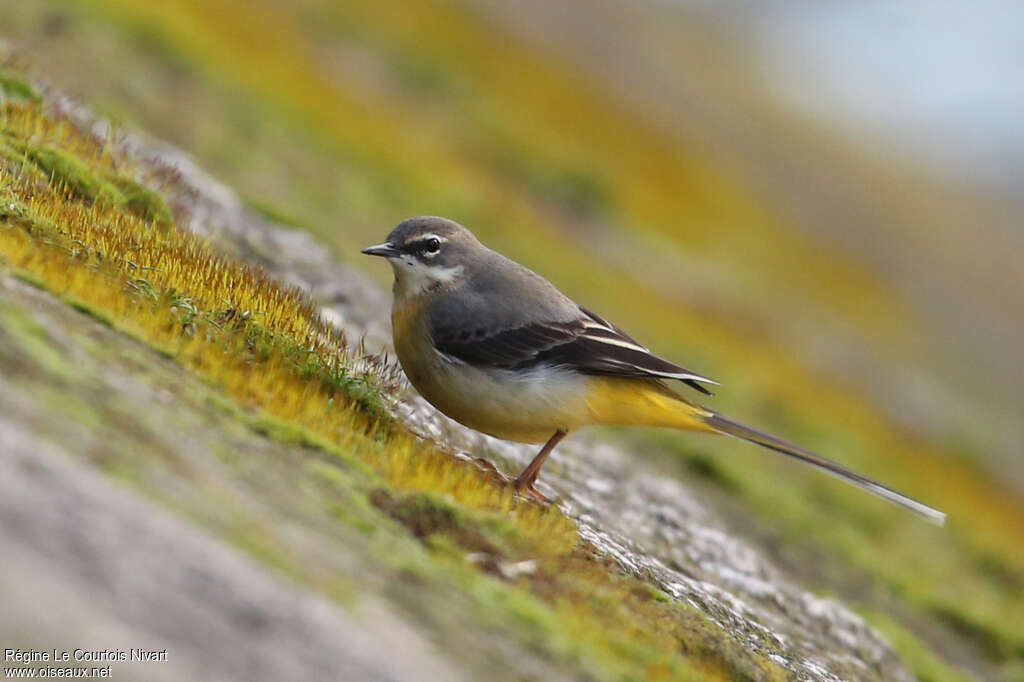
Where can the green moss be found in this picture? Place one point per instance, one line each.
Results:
(66, 169)
(90, 311)
(360, 390)
(428, 515)
(33, 339)
(12, 158)
(144, 202)
(1014, 671)
(274, 213)
(14, 211)
(658, 595)
(706, 641)
(290, 434)
(16, 88)
(1000, 643)
(83, 179)
(283, 432)
(708, 467)
(29, 279)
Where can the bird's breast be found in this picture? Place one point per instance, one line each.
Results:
(525, 405)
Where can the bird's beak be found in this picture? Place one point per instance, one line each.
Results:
(385, 250)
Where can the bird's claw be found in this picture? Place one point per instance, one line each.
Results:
(521, 485)
(526, 489)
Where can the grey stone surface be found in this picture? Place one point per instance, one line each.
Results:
(88, 565)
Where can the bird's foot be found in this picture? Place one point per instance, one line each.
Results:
(525, 488)
(523, 485)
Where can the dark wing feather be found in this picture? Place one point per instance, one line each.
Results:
(506, 348)
(588, 344)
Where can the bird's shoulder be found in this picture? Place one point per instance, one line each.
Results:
(499, 294)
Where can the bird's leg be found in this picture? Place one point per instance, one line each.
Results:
(529, 476)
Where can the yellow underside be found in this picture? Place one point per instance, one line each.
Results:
(617, 401)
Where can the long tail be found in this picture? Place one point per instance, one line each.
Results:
(729, 427)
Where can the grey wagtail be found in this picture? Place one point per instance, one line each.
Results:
(499, 349)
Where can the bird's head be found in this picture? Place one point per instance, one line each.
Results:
(427, 254)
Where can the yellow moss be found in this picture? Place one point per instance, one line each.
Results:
(258, 340)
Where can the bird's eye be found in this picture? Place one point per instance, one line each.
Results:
(433, 245)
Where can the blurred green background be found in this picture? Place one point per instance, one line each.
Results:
(667, 166)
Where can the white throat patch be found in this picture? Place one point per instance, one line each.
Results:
(413, 278)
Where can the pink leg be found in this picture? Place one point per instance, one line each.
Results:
(529, 476)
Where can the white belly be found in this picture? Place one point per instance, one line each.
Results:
(521, 405)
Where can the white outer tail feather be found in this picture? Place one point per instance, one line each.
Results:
(727, 426)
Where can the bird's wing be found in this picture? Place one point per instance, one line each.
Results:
(586, 343)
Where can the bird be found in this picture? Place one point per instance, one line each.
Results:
(501, 350)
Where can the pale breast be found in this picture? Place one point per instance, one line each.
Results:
(521, 405)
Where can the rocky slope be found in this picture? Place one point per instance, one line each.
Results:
(90, 559)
